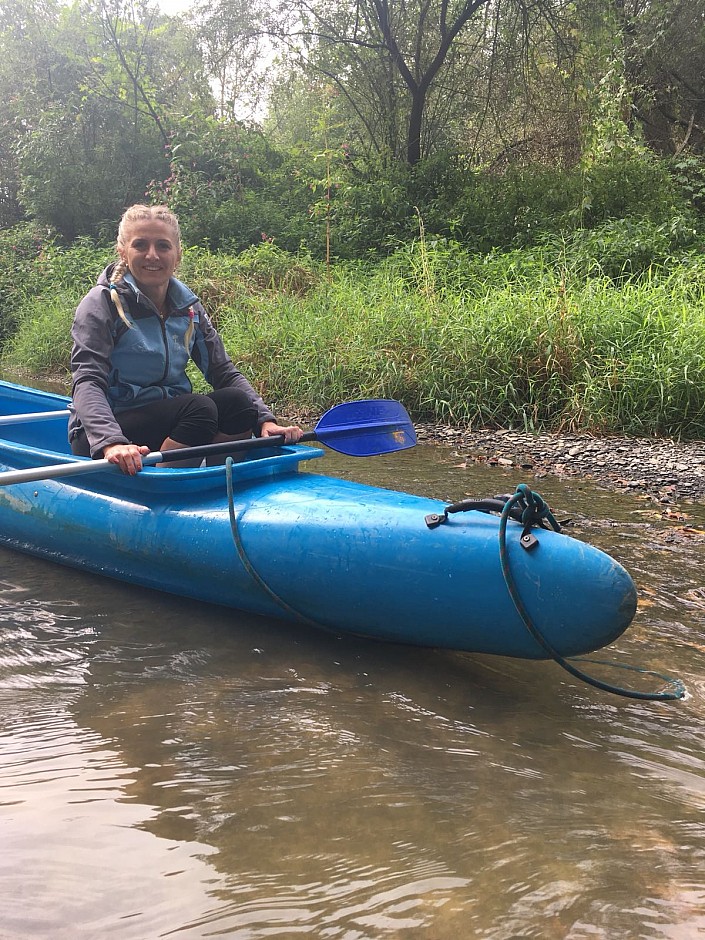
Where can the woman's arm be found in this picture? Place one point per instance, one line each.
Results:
(90, 367)
(212, 359)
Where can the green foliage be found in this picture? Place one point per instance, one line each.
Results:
(515, 339)
(225, 186)
(688, 173)
(78, 179)
(20, 247)
(225, 282)
(372, 207)
(373, 211)
(499, 211)
(38, 274)
(42, 343)
(33, 261)
(512, 347)
(268, 267)
(100, 103)
(629, 186)
(524, 206)
(624, 248)
(213, 276)
(88, 92)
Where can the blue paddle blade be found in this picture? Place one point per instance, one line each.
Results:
(366, 428)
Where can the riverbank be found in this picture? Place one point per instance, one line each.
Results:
(664, 471)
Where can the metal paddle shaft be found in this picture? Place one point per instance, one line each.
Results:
(33, 416)
(359, 429)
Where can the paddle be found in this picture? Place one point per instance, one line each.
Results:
(33, 416)
(357, 428)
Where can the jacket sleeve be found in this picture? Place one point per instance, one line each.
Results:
(212, 359)
(93, 343)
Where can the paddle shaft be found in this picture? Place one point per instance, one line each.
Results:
(33, 416)
(224, 447)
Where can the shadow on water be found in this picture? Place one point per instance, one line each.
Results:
(174, 769)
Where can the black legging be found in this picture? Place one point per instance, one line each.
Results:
(191, 420)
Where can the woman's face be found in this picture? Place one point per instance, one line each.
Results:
(151, 253)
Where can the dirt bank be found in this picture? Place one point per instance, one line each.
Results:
(664, 470)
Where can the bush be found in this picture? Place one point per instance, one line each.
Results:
(688, 174)
(42, 344)
(231, 188)
(638, 187)
(623, 249)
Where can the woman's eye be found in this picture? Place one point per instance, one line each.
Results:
(143, 245)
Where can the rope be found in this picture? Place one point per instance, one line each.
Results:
(532, 506)
(247, 564)
(534, 511)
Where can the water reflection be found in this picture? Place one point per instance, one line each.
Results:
(173, 769)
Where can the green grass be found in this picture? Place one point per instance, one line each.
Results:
(522, 339)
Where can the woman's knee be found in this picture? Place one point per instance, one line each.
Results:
(197, 421)
(237, 413)
(200, 406)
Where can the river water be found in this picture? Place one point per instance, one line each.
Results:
(172, 770)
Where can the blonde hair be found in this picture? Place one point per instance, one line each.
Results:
(143, 213)
(140, 213)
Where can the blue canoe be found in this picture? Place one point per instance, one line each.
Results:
(276, 540)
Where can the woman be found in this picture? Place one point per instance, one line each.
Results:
(133, 335)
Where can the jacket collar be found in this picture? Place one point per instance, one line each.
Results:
(180, 296)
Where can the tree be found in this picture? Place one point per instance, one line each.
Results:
(424, 76)
(28, 77)
(663, 43)
(390, 59)
(235, 54)
(90, 94)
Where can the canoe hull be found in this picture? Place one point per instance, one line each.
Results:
(309, 548)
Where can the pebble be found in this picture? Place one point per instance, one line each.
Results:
(662, 469)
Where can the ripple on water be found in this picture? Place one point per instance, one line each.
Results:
(341, 899)
(44, 642)
(41, 647)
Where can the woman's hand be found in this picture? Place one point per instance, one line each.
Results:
(127, 456)
(292, 434)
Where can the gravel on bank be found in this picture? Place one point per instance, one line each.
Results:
(666, 471)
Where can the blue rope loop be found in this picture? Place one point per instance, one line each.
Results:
(533, 507)
(534, 511)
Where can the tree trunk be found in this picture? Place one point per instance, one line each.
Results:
(413, 138)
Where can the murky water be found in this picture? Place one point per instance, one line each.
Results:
(173, 770)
